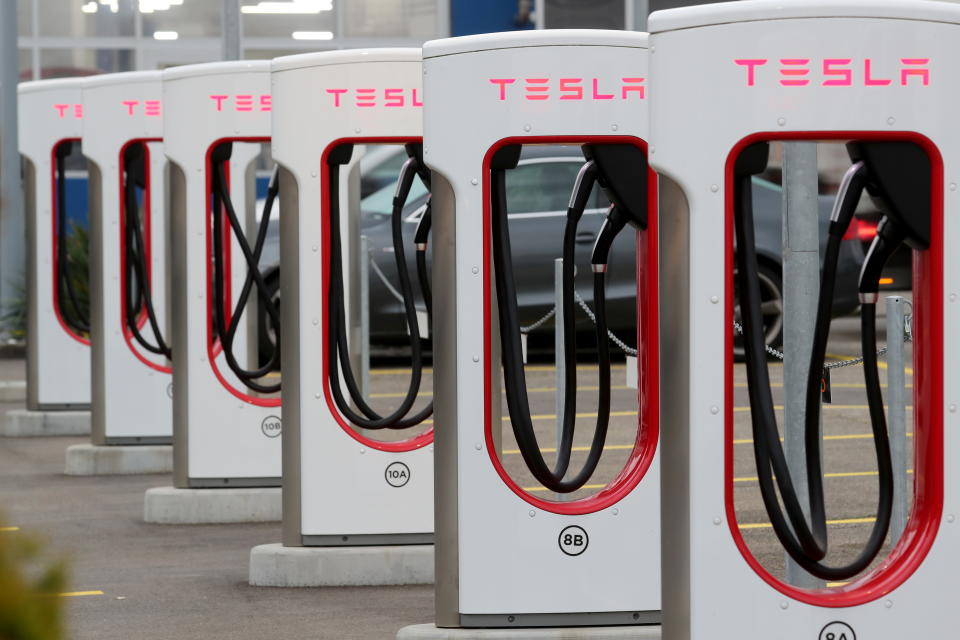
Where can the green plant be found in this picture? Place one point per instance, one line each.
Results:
(30, 608)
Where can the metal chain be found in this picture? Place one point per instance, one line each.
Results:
(614, 339)
(539, 323)
(907, 337)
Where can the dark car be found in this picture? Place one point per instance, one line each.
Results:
(538, 191)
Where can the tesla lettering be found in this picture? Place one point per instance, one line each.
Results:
(243, 102)
(367, 97)
(572, 88)
(150, 107)
(839, 72)
(64, 109)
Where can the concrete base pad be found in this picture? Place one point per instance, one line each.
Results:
(13, 391)
(20, 422)
(274, 565)
(114, 460)
(431, 632)
(168, 505)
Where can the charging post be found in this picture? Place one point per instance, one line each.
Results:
(226, 419)
(132, 419)
(511, 562)
(772, 76)
(58, 344)
(358, 504)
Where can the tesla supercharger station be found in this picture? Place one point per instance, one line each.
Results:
(347, 492)
(58, 353)
(131, 385)
(506, 557)
(874, 73)
(226, 436)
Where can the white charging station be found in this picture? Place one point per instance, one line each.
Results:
(347, 493)
(727, 76)
(58, 355)
(226, 437)
(132, 416)
(502, 560)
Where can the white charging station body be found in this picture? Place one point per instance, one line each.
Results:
(500, 557)
(131, 387)
(224, 435)
(58, 359)
(341, 486)
(724, 76)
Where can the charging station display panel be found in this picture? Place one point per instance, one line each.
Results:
(545, 200)
(357, 275)
(58, 354)
(825, 182)
(227, 419)
(131, 383)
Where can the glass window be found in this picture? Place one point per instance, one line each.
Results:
(192, 19)
(66, 63)
(85, 18)
(393, 18)
(270, 54)
(25, 17)
(541, 186)
(322, 23)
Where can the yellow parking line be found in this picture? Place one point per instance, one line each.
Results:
(531, 390)
(586, 486)
(841, 474)
(842, 436)
(609, 447)
(75, 594)
(532, 367)
(767, 525)
(2, 529)
(835, 385)
(826, 407)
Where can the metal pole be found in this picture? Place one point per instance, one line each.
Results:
(801, 286)
(12, 238)
(231, 30)
(641, 9)
(897, 412)
(364, 317)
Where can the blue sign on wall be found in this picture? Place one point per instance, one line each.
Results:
(468, 17)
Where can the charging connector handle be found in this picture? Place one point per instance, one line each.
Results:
(139, 293)
(806, 543)
(338, 352)
(223, 205)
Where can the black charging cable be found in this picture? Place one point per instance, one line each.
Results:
(75, 315)
(621, 170)
(337, 347)
(807, 542)
(139, 293)
(227, 331)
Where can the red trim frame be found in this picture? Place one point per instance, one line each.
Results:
(924, 520)
(213, 345)
(410, 444)
(648, 395)
(55, 213)
(147, 241)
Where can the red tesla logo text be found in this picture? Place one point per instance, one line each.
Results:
(371, 97)
(65, 110)
(243, 102)
(571, 88)
(150, 107)
(838, 72)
